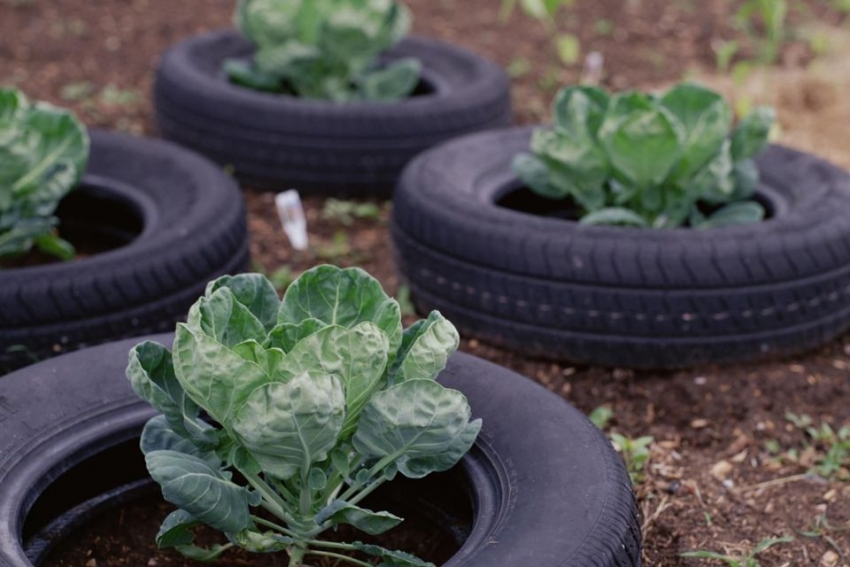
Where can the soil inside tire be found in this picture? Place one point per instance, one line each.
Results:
(437, 512)
(125, 536)
(93, 220)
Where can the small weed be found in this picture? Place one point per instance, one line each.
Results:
(404, 301)
(601, 417)
(603, 27)
(746, 559)
(823, 530)
(336, 250)
(346, 212)
(114, 96)
(829, 449)
(519, 67)
(635, 453)
(75, 92)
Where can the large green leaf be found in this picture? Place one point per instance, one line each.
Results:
(224, 319)
(255, 292)
(202, 491)
(417, 424)
(51, 136)
(358, 356)
(705, 118)
(286, 335)
(266, 358)
(393, 82)
(752, 135)
(643, 147)
(289, 426)
(158, 435)
(372, 523)
(425, 349)
(617, 216)
(176, 530)
(151, 375)
(390, 558)
(344, 297)
(213, 376)
(734, 214)
(268, 22)
(581, 110)
(577, 166)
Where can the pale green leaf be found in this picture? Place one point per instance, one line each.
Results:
(417, 422)
(202, 491)
(344, 297)
(425, 349)
(289, 426)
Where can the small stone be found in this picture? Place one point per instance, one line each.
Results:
(829, 559)
(91, 563)
(721, 470)
(152, 562)
(830, 496)
(700, 380)
(740, 457)
(769, 508)
(699, 423)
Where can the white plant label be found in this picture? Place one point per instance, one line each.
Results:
(292, 218)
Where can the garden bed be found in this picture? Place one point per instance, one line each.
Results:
(711, 425)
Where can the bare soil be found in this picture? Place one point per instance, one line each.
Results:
(727, 468)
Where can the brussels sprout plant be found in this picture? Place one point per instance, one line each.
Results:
(43, 153)
(325, 49)
(315, 401)
(649, 161)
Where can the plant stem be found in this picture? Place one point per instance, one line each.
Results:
(272, 525)
(306, 495)
(379, 466)
(296, 555)
(340, 557)
(367, 491)
(285, 492)
(272, 500)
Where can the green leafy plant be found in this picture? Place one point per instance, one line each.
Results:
(325, 49)
(771, 32)
(643, 160)
(346, 212)
(832, 456)
(315, 400)
(43, 153)
(635, 453)
(747, 559)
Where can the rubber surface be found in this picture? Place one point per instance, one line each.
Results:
(623, 296)
(548, 488)
(193, 230)
(279, 142)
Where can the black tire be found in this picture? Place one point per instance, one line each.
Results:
(546, 486)
(278, 142)
(185, 224)
(622, 296)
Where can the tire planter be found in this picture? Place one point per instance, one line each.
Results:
(181, 222)
(278, 142)
(544, 485)
(622, 296)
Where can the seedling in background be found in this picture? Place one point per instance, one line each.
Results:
(832, 448)
(281, 278)
(405, 302)
(315, 400)
(824, 530)
(635, 453)
(338, 249)
(346, 212)
(772, 16)
(601, 417)
(748, 559)
(566, 46)
(43, 153)
(325, 49)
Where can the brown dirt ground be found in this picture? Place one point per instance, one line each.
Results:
(710, 483)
